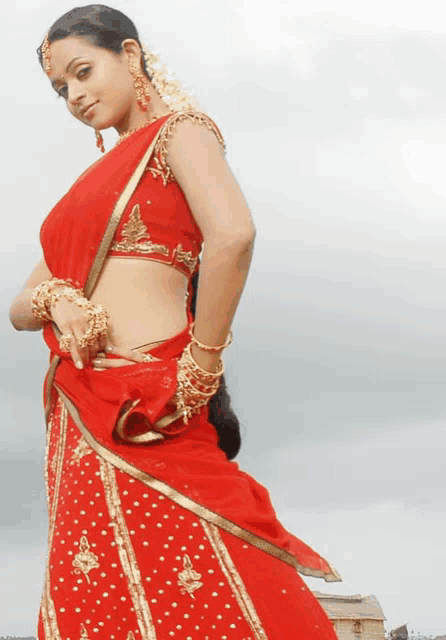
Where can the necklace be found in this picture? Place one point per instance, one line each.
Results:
(125, 135)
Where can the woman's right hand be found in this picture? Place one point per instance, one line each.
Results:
(72, 320)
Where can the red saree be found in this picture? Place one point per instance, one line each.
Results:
(162, 539)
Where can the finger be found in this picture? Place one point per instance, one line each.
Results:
(102, 343)
(108, 363)
(65, 331)
(77, 359)
(82, 351)
(128, 354)
(95, 348)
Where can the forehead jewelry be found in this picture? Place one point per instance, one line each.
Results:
(46, 54)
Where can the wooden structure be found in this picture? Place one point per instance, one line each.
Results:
(355, 617)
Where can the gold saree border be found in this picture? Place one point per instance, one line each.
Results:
(189, 504)
(49, 381)
(126, 552)
(115, 217)
(234, 580)
(49, 616)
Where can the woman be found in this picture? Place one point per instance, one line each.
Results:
(153, 531)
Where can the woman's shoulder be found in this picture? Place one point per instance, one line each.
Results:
(191, 115)
(168, 129)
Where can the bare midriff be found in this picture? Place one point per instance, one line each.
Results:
(146, 301)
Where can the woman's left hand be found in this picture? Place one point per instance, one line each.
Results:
(101, 362)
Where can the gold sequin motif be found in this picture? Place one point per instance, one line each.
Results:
(186, 257)
(136, 238)
(188, 579)
(85, 560)
(84, 633)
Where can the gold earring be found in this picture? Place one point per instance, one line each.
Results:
(141, 86)
(99, 140)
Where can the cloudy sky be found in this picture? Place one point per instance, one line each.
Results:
(334, 115)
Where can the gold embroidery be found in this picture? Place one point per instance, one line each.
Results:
(84, 632)
(186, 257)
(47, 453)
(85, 560)
(158, 170)
(136, 237)
(188, 579)
(49, 438)
(53, 463)
(234, 580)
(126, 552)
(130, 636)
(82, 449)
(159, 157)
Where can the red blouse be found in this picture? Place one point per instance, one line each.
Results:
(157, 223)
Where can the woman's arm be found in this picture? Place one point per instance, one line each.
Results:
(221, 211)
(20, 314)
(68, 317)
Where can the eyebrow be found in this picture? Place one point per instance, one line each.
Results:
(66, 69)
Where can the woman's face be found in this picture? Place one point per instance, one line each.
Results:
(84, 74)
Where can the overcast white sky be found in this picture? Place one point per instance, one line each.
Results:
(334, 115)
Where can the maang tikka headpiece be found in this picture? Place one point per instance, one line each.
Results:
(46, 55)
(168, 87)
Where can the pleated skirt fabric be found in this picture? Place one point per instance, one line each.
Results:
(125, 562)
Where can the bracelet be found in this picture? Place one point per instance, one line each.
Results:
(206, 376)
(42, 297)
(195, 385)
(98, 317)
(206, 347)
(72, 295)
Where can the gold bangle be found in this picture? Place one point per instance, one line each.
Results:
(196, 386)
(194, 364)
(39, 302)
(207, 347)
(43, 294)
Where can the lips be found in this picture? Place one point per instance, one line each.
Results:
(84, 111)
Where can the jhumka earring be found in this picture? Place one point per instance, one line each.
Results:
(141, 86)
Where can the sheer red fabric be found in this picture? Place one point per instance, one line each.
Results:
(182, 471)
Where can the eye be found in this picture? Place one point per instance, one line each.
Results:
(62, 92)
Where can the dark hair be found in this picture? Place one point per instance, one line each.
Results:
(221, 414)
(102, 26)
(107, 28)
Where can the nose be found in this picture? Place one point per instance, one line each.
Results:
(75, 94)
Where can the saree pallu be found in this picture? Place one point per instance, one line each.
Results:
(162, 540)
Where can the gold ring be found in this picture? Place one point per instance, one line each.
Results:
(147, 357)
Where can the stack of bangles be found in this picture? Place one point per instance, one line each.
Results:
(196, 385)
(44, 297)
